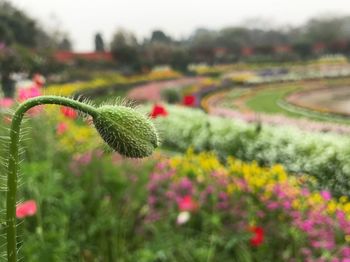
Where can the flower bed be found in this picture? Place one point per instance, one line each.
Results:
(324, 156)
(105, 81)
(262, 213)
(152, 91)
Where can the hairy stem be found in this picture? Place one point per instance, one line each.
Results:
(13, 160)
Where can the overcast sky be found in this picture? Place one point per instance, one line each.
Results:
(83, 18)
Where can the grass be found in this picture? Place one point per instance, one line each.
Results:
(267, 101)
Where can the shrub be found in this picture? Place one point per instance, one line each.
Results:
(171, 95)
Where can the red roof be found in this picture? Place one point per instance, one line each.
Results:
(282, 49)
(67, 56)
(247, 51)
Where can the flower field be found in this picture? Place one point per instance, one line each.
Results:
(217, 189)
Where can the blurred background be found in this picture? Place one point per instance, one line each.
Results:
(251, 100)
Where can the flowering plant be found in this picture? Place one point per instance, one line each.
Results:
(125, 130)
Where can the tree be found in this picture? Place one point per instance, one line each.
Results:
(65, 45)
(160, 36)
(15, 59)
(203, 42)
(6, 35)
(19, 27)
(124, 48)
(158, 53)
(327, 29)
(24, 46)
(99, 43)
(180, 59)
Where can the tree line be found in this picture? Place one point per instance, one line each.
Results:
(320, 35)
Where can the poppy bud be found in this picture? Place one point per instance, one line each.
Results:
(126, 130)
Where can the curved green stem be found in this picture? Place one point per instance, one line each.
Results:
(13, 160)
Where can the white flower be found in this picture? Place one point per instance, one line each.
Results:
(183, 217)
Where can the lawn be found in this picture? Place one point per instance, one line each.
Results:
(267, 100)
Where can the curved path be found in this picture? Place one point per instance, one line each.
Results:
(212, 106)
(152, 91)
(331, 100)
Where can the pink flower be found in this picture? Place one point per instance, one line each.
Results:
(272, 205)
(187, 204)
(7, 120)
(6, 102)
(26, 93)
(61, 128)
(346, 251)
(25, 209)
(39, 80)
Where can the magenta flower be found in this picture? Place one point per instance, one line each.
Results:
(26, 209)
(26, 93)
(326, 195)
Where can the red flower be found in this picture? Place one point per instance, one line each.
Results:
(27, 208)
(189, 100)
(158, 110)
(69, 112)
(187, 204)
(258, 237)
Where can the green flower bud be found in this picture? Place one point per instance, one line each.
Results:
(126, 130)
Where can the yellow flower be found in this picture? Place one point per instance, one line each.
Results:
(343, 199)
(347, 238)
(331, 207)
(296, 204)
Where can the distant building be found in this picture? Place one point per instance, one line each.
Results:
(247, 51)
(282, 49)
(220, 52)
(318, 47)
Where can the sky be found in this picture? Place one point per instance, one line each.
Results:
(81, 19)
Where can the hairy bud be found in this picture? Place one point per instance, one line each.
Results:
(126, 130)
